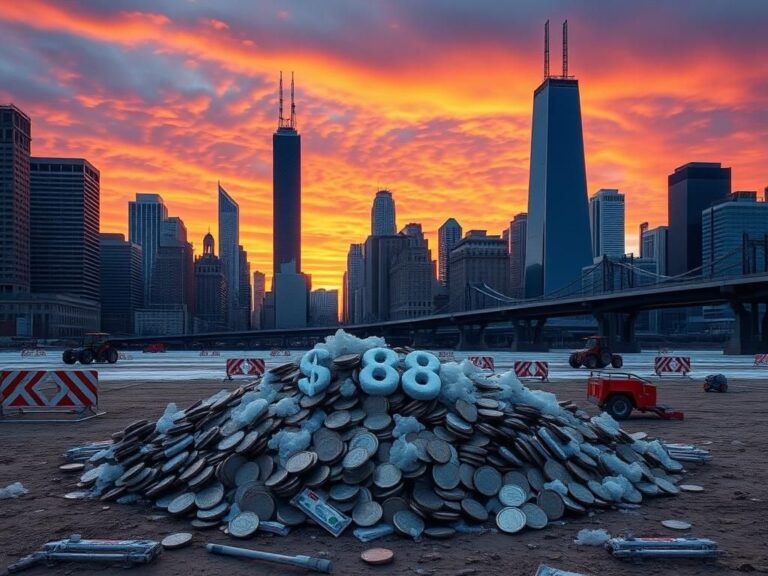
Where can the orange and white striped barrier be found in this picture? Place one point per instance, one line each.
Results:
(53, 391)
(482, 362)
(532, 369)
(210, 353)
(761, 359)
(27, 352)
(672, 365)
(245, 367)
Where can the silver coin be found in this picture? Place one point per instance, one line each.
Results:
(355, 458)
(229, 442)
(446, 476)
(408, 523)
(266, 466)
(300, 462)
(367, 513)
(328, 445)
(176, 541)
(581, 493)
(691, 488)
(599, 490)
(387, 476)
(667, 486)
(248, 472)
(676, 524)
(215, 513)
(290, 515)
(535, 479)
(256, 499)
(377, 422)
(512, 495)
(510, 520)
(487, 481)
(365, 440)
(439, 532)
(243, 525)
(474, 510)
(337, 420)
(439, 451)
(344, 492)
(467, 411)
(535, 517)
(182, 504)
(174, 463)
(552, 504)
(77, 495)
(466, 475)
(209, 496)
(376, 405)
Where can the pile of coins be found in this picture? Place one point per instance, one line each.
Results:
(478, 459)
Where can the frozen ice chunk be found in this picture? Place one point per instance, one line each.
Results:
(287, 407)
(557, 486)
(617, 486)
(107, 476)
(606, 421)
(587, 537)
(246, 413)
(348, 389)
(512, 390)
(661, 453)
(12, 491)
(454, 382)
(405, 425)
(404, 455)
(631, 471)
(342, 343)
(171, 414)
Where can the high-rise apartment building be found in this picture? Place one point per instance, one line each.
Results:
(479, 272)
(15, 137)
(693, 188)
(410, 277)
(229, 241)
(64, 231)
(448, 235)
(383, 219)
(323, 307)
(379, 252)
(173, 275)
(244, 305)
(286, 190)
(728, 228)
(606, 220)
(210, 290)
(122, 283)
(145, 217)
(653, 245)
(354, 281)
(518, 230)
(558, 242)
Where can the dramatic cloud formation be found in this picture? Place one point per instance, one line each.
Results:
(430, 99)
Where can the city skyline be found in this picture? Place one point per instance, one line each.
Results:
(424, 135)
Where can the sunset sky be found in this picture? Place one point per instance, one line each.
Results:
(431, 99)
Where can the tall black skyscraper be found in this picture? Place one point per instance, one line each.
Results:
(15, 135)
(122, 283)
(286, 189)
(558, 241)
(691, 189)
(64, 215)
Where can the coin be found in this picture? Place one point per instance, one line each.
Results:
(216, 513)
(367, 513)
(337, 420)
(365, 440)
(377, 422)
(439, 532)
(328, 446)
(667, 486)
(446, 476)
(256, 499)
(229, 442)
(676, 524)
(408, 523)
(512, 495)
(552, 504)
(290, 515)
(182, 504)
(510, 520)
(248, 472)
(74, 467)
(355, 458)
(301, 462)
(691, 488)
(581, 493)
(209, 496)
(467, 411)
(77, 495)
(439, 451)
(377, 556)
(203, 524)
(387, 476)
(466, 475)
(535, 517)
(176, 541)
(487, 481)
(474, 510)
(243, 525)
(344, 492)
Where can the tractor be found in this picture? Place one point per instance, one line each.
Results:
(618, 393)
(595, 354)
(94, 347)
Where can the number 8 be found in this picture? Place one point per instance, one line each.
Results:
(378, 376)
(420, 380)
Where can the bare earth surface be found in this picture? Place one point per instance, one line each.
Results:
(733, 509)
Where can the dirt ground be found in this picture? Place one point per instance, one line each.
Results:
(732, 509)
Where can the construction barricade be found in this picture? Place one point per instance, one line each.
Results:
(532, 369)
(244, 367)
(483, 362)
(761, 360)
(446, 356)
(278, 352)
(672, 365)
(27, 352)
(208, 353)
(50, 392)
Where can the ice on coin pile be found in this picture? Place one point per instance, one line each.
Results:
(383, 435)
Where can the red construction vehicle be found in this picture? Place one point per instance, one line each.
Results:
(595, 354)
(618, 393)
(154, 348)
(94, 347)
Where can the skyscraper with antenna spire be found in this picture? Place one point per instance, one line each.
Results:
(558, 238)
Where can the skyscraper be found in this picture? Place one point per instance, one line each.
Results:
(259, 291)
(244, 304)
(448, 235)
(410, 276)
(15, 136)
(229, 240)
(323, 307)
(479, 272)
(383, 220)
(378, 253)
(210, 290)
(517, 238)
(122, 283)
(286, 189)
(353, 285)
(173, 275)
(145, 217)
(64, 231)
(558, 243)
(606, 220)
(653, 245)
(693, 187)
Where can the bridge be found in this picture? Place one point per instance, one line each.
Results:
(614, 310)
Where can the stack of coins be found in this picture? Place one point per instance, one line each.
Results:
(476, 460)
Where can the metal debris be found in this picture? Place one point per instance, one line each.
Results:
(632, 547)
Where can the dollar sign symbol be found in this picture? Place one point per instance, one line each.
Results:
(318, 377)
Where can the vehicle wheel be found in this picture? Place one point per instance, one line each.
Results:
(573, 360)
(707, 387)
(605, 358)
(619, 406)
(724, 388)
(69, 357)
(617, 361)
(86, 356)
(591, 362)
(112, 355)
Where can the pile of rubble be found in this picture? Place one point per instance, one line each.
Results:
(384, 437)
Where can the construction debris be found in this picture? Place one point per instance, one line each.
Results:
(663, 548)
(360, 433)
(301, 561)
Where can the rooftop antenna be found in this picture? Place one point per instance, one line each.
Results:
(280, 119)
(565, 49)
(293, 106)
(546, 50)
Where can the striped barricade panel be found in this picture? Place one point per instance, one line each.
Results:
(672, 365)
(761, 359)
(482, 362)
(531, 369)
(49, 390)
(245, 367)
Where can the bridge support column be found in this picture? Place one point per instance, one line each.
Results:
(529, 336)
(619, 328)
(471, 337)
(423, 338)
(749, 330)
